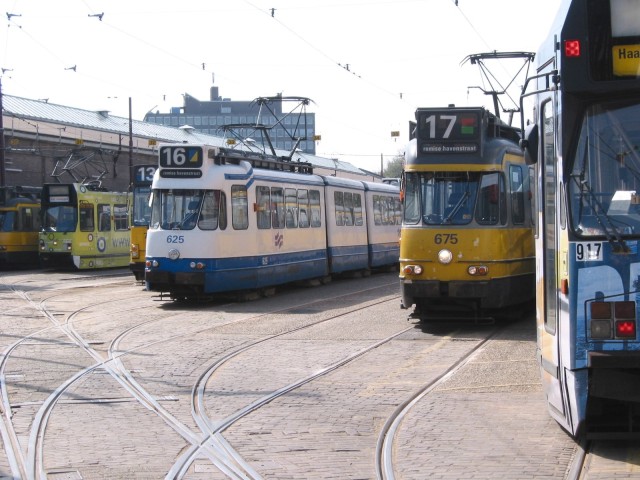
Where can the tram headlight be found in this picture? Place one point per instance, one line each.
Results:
(478, 270)
(173, 254)
(197, 265)
(135, 251)
(2, 248)
(412, 270)
(445, 256)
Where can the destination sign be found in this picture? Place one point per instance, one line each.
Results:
(449, 148)
(449, 131)
(626, 60)
(143, 174)
(180, 173)
(180, 157)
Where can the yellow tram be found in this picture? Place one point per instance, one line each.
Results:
(140, 216)
(84, 227)
(19, 225)
(467, 245)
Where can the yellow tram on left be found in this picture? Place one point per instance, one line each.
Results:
(84, 227)
(19, 225)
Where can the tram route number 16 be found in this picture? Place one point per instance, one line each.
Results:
(173, 157)
(589, 252)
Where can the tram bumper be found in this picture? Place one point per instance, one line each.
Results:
(412, 290)
(615, 375)
(163, 281)
(493, 293)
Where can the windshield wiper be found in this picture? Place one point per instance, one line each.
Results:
(457, 207)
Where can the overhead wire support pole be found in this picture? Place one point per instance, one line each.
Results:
(3, 180)
(130, 147)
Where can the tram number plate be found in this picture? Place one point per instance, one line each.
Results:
(589, 252)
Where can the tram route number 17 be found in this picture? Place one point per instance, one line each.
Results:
(589, 252)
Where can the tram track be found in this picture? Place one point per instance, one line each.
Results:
(219, 451)
(384, 446)
(215, 429)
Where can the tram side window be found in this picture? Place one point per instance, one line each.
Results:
(357, 210)
(263, 211)
(277, 207)
(386, 210)
(120, 217)
(104, 218)
(303, 208)
(29, 219)
(517, 194)
(348, 209)
(397, 206)
(491, 200)
(86, 218)
(314, 205)
(338, 200)
(377, 210)
(291, 204)
(239, 207)
(411, 199)
(213, 212)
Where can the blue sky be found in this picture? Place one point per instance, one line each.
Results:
(366, 64)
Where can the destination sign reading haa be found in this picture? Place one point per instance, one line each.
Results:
(626, 60)
(449, 148)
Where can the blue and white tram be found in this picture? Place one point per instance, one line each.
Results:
(227, 221)
(585, 143)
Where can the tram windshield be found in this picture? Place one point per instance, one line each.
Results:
(7, 221)
(141, 207)
(454, 198)
(61, 218)
(604, 186)
(186, 209)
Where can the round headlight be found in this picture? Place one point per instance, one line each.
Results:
(445, 256)
(173, 254)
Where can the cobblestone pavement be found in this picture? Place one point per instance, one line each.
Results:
(486, 421)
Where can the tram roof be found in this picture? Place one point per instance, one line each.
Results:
(101, 120)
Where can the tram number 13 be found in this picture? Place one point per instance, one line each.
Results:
(589, 252)
(446, 238)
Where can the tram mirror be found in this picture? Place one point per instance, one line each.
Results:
(530, 144)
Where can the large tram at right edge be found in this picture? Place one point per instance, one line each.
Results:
(585, 144)
(466, 247)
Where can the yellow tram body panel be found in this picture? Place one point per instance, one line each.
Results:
(18, 243)
(138, 250)
(505, 252)
(474, 270)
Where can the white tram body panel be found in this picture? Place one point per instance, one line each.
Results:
(346, 225)
(383, 223)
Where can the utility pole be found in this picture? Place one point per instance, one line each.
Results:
(130, 148)
(3, 180)
(382, 165)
